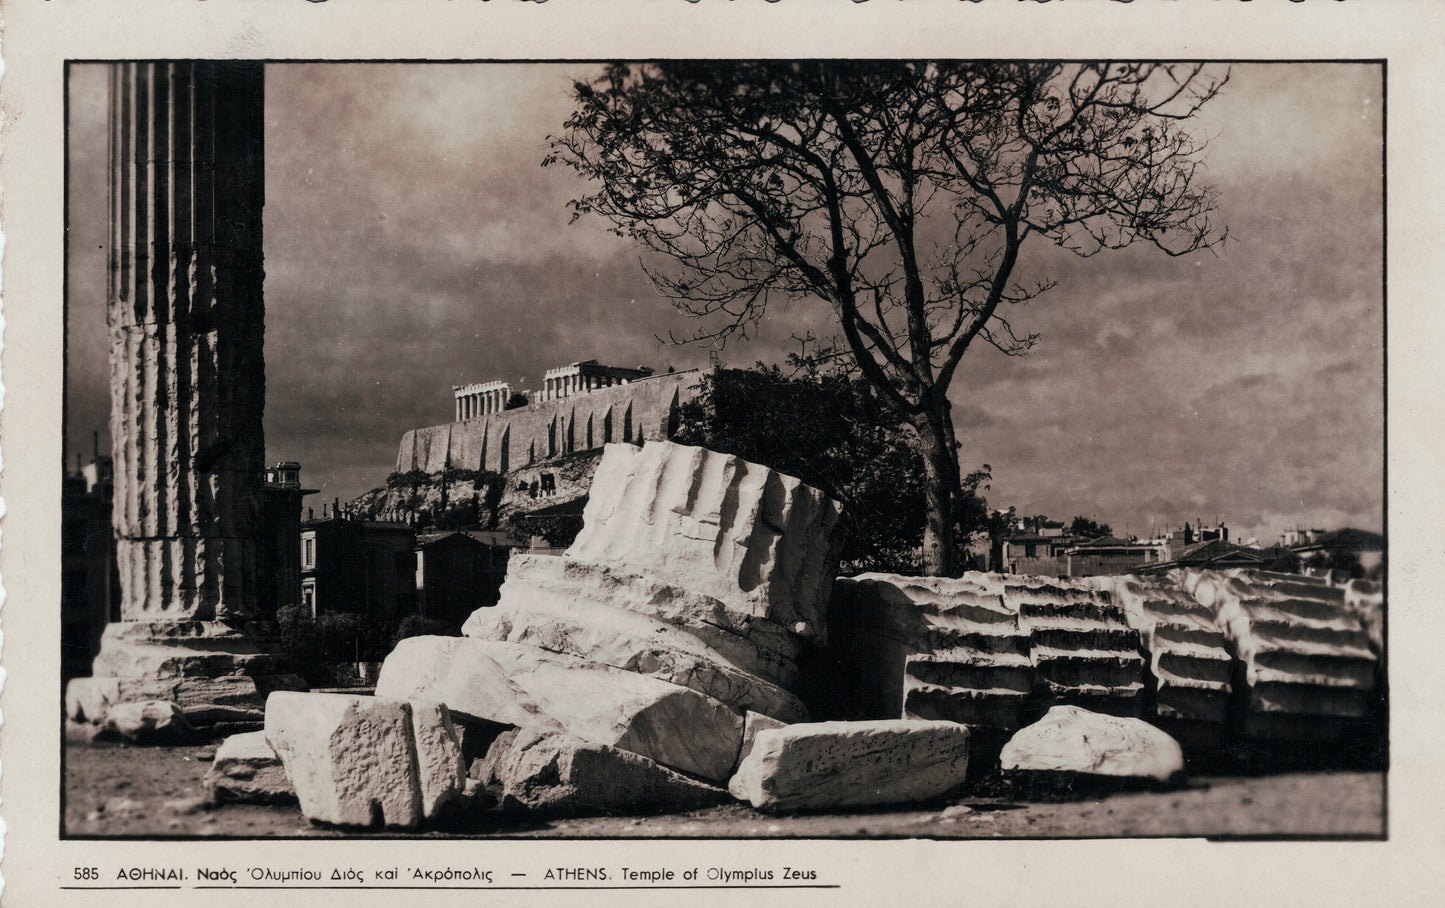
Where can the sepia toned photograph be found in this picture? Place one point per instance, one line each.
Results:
(681, 449)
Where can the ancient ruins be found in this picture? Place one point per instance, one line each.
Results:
(693, 646)
(656, 666)
(187, 391)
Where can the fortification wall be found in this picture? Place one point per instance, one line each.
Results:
(642, 410)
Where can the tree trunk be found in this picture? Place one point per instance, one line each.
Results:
(941, 490)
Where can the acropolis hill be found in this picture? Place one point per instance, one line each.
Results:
(581, 407)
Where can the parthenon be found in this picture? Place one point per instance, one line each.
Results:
(485, 398)
(481, 398)
(579, 378)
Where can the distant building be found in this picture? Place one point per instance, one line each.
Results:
(360, 567)
(1036, 553)
(281, 512)
(1213, 554)
(1299, 537)
(459, 572)
(1333, 549)
(1110, 555)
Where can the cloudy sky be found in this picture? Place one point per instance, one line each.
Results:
(413, 242)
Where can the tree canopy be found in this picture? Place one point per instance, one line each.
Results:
(1083, 526)
(898, 192)
(830, 431)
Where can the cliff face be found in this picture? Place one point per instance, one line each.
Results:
(468, 498)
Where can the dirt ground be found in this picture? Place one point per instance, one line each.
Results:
(119, 790)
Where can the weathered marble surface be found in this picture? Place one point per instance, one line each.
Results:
(246, 770)
(522, 685)
(756, 540)
(931, 648)
(557, 773)
(366, 761)
(210, 670)
(1189, 658)
(1306, 656)
(1070, 739)
(1083, 650)
(821, 765)
(583, 610)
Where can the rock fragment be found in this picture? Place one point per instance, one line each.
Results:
(1069, 739)
(522, 685)
(148, 722)
(246, 770)
(559, 774)
(823, 765)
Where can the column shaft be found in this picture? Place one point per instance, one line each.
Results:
(186, 320)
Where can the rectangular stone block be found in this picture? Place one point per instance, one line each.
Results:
(365, 761)
(824, 765)
(350, 760)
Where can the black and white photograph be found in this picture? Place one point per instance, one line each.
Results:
(558, 468)
(699, 448)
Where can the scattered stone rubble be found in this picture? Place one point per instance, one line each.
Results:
(514, 684)
(681, 607)
(653, 667)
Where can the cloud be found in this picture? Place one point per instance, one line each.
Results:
(413, 242)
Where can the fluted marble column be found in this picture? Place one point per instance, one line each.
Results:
(186, 327)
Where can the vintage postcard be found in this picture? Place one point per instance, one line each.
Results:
(818, 452)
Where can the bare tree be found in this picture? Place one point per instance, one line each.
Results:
(898, 192)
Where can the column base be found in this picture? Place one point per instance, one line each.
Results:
(213, 672)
